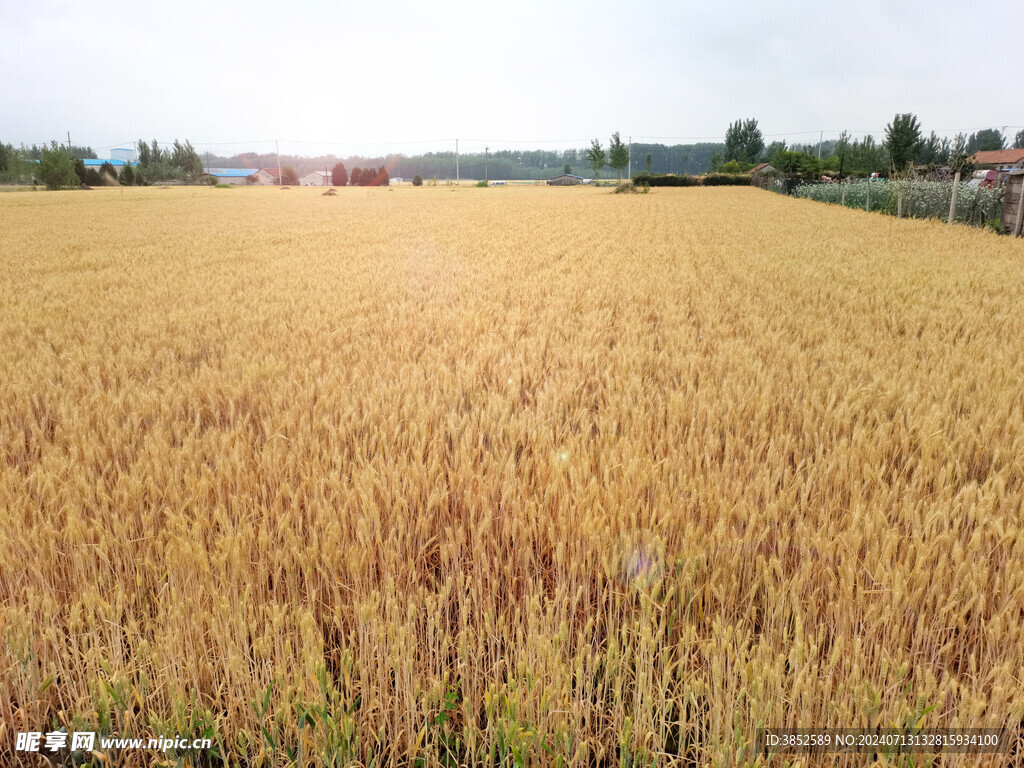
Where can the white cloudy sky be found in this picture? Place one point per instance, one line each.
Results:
(348, 77)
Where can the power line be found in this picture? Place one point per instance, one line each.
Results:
(369, 143)
(531, 141)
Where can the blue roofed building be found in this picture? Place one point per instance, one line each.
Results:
(233, 175)
(94, 163)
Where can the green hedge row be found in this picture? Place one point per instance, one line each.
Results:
(727, 180)
(711, 180)
(666, 180)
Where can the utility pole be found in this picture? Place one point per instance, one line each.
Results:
(277, 151)
(821, 135)
(486, 157)
(69, 141)
(629, 167)
(456, 162)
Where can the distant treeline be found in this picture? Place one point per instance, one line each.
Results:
(61, 167)
(501, 164)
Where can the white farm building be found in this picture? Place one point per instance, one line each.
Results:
(315, 179)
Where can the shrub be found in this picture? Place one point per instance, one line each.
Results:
(57, 168)
(417, 180)
(108, 175)
(482, 184)
(633, 188)
(289, 177)
(727, 179)
(733, 166)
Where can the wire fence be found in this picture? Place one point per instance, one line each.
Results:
(974, 204)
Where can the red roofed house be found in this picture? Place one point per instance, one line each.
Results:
(267, 176)
(1001, 158)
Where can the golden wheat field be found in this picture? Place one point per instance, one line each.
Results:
(518, 477)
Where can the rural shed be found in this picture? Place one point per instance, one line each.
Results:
(235, 176)
(565, 180)
(1013, 202)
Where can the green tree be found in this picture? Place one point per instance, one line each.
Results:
(145, 156)
(772, 151)
(596, 157)
(289, 177)
(568, 168)
(787, 161)
(744, 141)
(127, 175)
(16, 164)
(185, 161)
(930, 149)
(733, 145)
(985, 140)
(339, 176)
(156, 164)
(1018, 140)
(648, 162)
(903, 140)
(864, 156)
(810, 168)
(80, 170)
(57, 168)
(618, 154)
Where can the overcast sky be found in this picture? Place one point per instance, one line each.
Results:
(364, 77)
